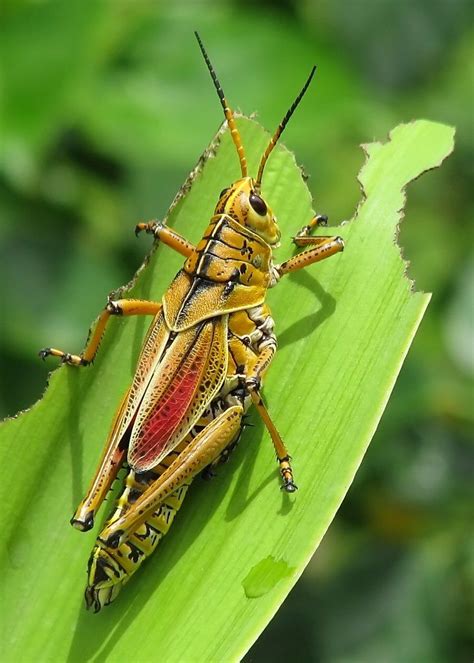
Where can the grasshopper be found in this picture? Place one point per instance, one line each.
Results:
(203, 360)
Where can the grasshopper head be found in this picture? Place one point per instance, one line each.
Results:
(243, 202)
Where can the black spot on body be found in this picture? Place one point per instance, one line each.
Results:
(135, 553)
(229, 288)
(100, 575)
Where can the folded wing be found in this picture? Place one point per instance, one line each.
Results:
(189, 375)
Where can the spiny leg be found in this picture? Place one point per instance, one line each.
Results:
(109, 569)
(124, 307)
(166, 235)
(253, 385)
(324, 247)
(265, 351)
(203, 449)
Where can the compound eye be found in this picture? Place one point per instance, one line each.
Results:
(223, 192)
(258, 204)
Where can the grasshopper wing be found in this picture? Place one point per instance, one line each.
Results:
(113, 454)
(188, 376)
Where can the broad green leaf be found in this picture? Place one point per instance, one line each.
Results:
(238, 544)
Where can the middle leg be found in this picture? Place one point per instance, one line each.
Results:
(282, 454)
(252, 347)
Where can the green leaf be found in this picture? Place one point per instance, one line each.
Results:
(238, 544)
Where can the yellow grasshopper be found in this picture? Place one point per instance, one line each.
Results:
(201, 366)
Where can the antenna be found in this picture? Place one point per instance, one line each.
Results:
(281, 126)
(229, 115)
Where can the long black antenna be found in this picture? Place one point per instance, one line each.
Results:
(281, 126)
(229, 115)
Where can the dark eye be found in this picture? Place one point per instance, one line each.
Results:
(258, 204)
(223, 192)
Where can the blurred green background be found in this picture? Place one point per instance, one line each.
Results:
(106, 106)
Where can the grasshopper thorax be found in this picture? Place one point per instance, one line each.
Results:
(243, 202)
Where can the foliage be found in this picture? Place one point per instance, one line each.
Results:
(104, 109)
(239, 545)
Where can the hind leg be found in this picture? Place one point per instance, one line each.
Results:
(199, 453)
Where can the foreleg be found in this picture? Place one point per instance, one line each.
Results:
(120, 307)
(166, 235)
(323, 247)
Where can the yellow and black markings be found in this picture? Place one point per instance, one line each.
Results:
(206, 353)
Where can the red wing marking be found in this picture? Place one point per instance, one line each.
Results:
(168, 414)
(188, 377)
(113, 454)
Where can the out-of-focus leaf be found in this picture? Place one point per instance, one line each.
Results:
(459, 322)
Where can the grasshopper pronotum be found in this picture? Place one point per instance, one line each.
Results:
(201, 366)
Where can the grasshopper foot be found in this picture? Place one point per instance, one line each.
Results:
(207, 474)
(289, 487)
(151, 227)
(286, 472)
(66, 357)
(318, 221)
